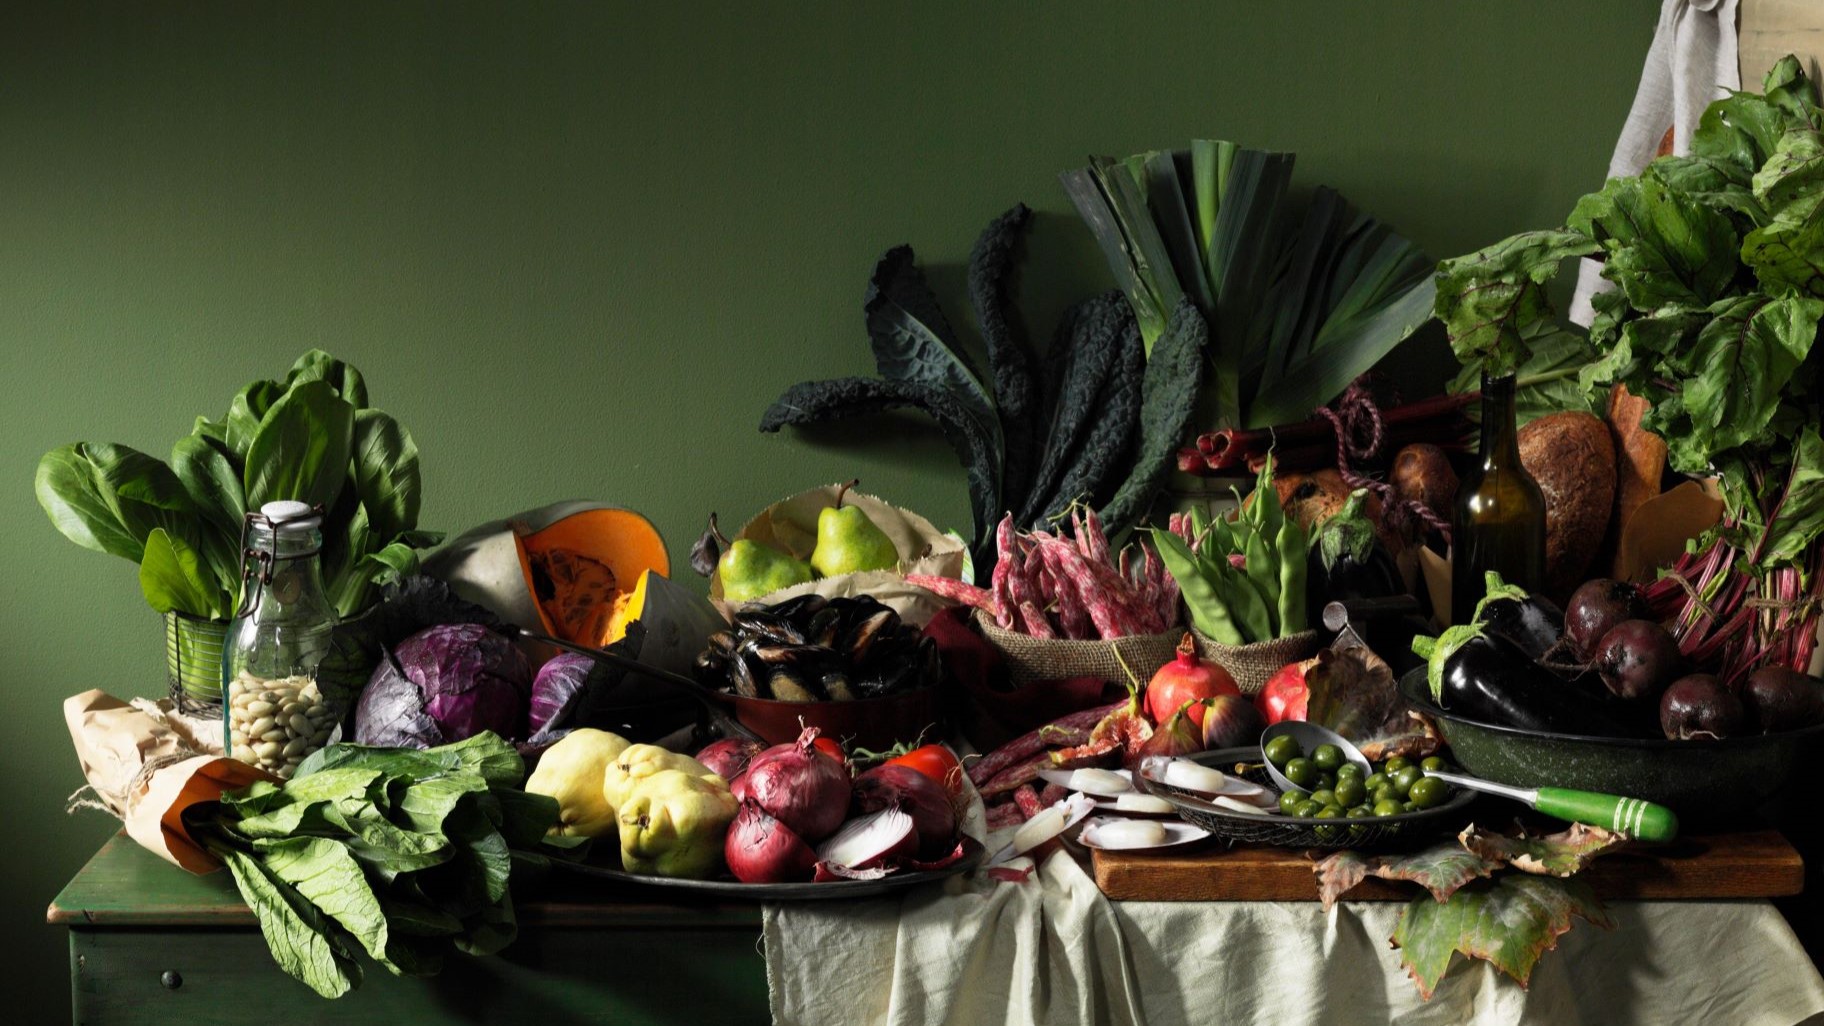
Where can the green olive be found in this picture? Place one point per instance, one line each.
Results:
(1330, 812)
(1409, 807)
(1395, 764)
(1361, 812)
(1290, 800)
(1326, 779)
(1301, 771)
(1405, 777)
(1429, 792)
(1349, 791)
(1324, 796)
(1306, 809)
(1349, 769)
(1281, 750)
(1433, 762)
(1327, 757)
(1386, 793)
(1387, 808)
(1373, 782)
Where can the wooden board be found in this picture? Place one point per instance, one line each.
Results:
(1759, 864)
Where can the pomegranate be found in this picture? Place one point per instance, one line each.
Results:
(1284, 697)
(1186, 678)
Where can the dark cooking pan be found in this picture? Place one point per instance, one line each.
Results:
(1708, 783)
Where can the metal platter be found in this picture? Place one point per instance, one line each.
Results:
(737, 891)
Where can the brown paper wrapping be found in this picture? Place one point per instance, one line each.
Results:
(146, 764)
(791, 525)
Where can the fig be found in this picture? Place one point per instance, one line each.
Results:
(1699, 706)
(1638, 659)
(1231, 721)
(1779, 698)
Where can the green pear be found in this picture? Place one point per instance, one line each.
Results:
(571, 771)
(749, 570)
(675, 824)
(849, 543)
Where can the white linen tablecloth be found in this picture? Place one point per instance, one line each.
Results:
(1053, 950)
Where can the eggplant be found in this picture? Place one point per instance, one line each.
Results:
(1489, 678)
(1348, 562)
(1532, 623)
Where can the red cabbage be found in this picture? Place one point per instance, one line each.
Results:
(558, 683)
(445, 684)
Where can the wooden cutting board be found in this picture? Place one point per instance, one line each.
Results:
(1758, 864)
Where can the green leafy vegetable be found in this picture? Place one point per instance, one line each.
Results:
(1717, 259)
(311, 438)
(1299, 302)
(1084, 427)
(408, 853)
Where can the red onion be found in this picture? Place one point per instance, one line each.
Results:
(869, 840)
(800, 786)
(760, 849)
(892, 786)
(729, 756)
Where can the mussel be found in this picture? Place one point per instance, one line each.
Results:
(768, 626)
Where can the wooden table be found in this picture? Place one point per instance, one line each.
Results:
(1752, 864)
(150, 943)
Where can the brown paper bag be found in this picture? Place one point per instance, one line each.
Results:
(791, 526)
(146, 763)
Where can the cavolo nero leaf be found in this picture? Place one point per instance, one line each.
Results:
(1016, 394)
(1169, 397)
(1091, 339)
(1113, 433)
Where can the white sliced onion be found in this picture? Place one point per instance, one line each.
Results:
(1051, 822)
(1223, 801)
(1100, 782)
(1142, 803)
(865, 838)
(1124, 833)
(1192, 776)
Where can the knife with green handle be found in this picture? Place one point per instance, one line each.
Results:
(1638, 819)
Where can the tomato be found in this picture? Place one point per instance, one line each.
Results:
(937, 762)
(1285, 694)
(829, 747)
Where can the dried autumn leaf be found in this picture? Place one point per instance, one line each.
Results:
(1510, 922)
(1441, 869)
(1560, 854)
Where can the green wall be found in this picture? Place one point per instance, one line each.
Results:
(578, 248)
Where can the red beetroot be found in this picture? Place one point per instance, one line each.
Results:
(1595, 608)
(895, 786)
(760, 849)
(1699, 706)
(1186, 678)
(1638, 659)
(800, 786)
(1780, 698)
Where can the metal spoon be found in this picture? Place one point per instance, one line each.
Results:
(1308, 736)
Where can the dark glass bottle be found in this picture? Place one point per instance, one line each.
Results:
(1499, 521)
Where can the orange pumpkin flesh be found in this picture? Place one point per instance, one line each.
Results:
(581, 560)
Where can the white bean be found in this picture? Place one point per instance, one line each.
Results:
(260, 726)
(279, 734)
(243, 752)
(299, 724)
(295, 746)
(258, 708)
(267, 750)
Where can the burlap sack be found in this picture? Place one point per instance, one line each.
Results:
(1251, 665)
(1032, 659)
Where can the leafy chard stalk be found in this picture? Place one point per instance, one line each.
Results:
(1717, 263)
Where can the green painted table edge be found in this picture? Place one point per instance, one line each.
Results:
(124, 885)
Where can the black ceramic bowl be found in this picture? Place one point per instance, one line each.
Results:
(1708, 783)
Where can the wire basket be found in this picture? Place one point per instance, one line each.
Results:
(1290, 832)
(194, 649)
